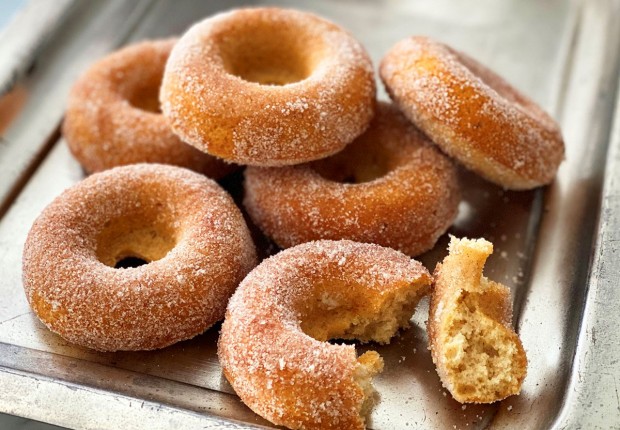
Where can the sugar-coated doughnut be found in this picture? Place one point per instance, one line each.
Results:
(478, 355)
(268, 87)
(390, 187)
(273, 347)
(473, 114)
(113, 116)
(181, 223)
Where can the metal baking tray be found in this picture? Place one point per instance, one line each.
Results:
(558, 248)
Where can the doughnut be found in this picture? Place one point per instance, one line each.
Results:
(390, 187)
(273, 347)
(113, 116)
(268, 87)
(186, 229)
(473, 114)
(478, 355)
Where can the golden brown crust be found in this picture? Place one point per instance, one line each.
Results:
(113, 116)
(412, 202)
(272, 345)
(184, 223)
(473, 114)
(478, 356)
(268, 87)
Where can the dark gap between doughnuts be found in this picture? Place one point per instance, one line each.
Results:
(130, 262)
(338, 341)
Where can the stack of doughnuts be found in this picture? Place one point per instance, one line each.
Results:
(291, 96)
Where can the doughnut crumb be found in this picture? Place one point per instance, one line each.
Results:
(478, 355)
(360, 319)
(370, 364)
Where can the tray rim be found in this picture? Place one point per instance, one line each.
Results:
(22, 379)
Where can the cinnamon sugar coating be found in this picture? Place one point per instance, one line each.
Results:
(113, 116)
(272, 345)
(182, 224)
(268, 87)
(473, 114)
(391, 186)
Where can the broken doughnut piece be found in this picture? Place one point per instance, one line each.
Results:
(478, 356)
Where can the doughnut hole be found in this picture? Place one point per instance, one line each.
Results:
(144, 94)
(361, 161)
(270, 52)
(136, 239)
(129, 262)
(387, 144)
(139, 86)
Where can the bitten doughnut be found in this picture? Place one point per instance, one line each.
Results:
(113, 116)
(478, 355)
(473, 114)
(183, 225)
(273, 345)
(268, 87)
(390, 187)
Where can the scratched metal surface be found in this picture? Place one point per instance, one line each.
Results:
(563, 54)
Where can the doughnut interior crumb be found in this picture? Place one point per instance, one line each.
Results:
(481, 354)
(478, 356)
(335, 315)
(363, 318)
